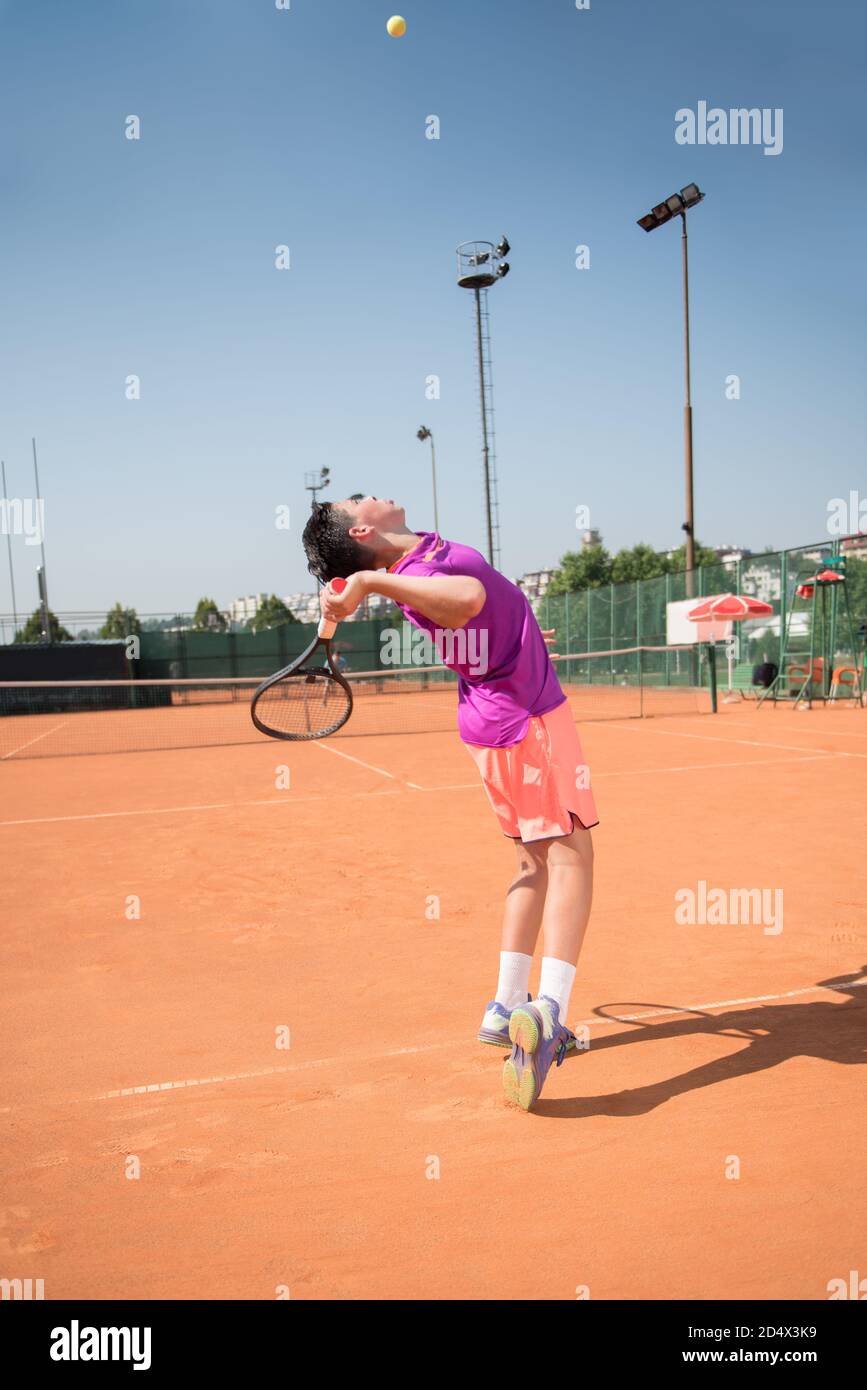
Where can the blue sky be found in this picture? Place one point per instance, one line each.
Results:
(307, 127)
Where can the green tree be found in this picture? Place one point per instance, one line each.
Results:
(272, 612)
(581, 569)
(677, 561)
(120, 622)
(641, 562)
(32, 629)
(208, 616)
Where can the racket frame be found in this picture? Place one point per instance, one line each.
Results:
(297, 670)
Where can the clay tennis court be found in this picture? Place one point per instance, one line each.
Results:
(374, 1157)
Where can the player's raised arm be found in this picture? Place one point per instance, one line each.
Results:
(450, 601)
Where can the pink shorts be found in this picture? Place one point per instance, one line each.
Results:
(537, 785)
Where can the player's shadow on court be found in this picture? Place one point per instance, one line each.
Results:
(832, 1032)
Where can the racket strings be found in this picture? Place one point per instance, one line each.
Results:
(306, 704)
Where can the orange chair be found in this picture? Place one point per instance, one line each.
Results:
(801, 679)
(843, 677)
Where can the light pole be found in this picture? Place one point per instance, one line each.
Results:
(480, 265)
(423, 434)
(41, 573)
(9, 552)
(315, 482)
(676, 206)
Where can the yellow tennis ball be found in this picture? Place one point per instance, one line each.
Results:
(396, 26)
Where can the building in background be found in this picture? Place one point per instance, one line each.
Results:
(590, 538)
(241, 610)
(731, 554)
(305, 607)
(535, 584)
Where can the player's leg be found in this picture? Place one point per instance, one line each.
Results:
(568, 900)
(525, 900)
(522, 918)
(553, 806)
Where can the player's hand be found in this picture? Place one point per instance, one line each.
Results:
(549, 633)
(337, 607)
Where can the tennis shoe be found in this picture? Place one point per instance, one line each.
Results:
(495, 1025)
(538, 1039)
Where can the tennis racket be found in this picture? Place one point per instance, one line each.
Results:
(304, 701)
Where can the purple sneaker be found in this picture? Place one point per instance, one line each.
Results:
(538, 1038)
(495, 1025)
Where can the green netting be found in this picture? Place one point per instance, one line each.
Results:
(652, 597)
(634, 614)
(594, 620)
(716, 579)
(801, 565)
(187, 655)
(761, 576)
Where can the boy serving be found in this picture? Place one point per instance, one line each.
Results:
(516, 724)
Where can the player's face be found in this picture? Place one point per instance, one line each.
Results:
(382, 513)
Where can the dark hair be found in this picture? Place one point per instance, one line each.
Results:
(331, 552)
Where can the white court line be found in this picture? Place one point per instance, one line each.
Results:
(22, 746)
(822, 733)
(367, 1057)
(715, 738)
(415, 786)
(651, 771)
(183, 810)
(453, 787)
(693, 767)
(723, 1004)
(349, 758)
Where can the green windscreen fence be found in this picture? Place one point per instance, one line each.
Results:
(634, 614)
(186, 655)
(596, 620)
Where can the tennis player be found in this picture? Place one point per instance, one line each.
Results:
(518, 728)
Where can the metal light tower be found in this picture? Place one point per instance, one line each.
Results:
(9, 553)
(41, 574)
(481, 265)
(315, 482)
(676, 206)
(423, 434)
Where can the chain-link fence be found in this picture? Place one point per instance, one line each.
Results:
(634, 614)
(595, 620)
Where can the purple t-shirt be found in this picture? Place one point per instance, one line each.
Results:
(505, 674)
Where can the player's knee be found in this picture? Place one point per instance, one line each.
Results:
(531, 872)
(583, 842)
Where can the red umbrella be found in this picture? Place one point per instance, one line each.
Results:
(728, 608)
(731, 607)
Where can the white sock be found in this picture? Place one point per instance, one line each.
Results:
(514, 978)
(556, 982)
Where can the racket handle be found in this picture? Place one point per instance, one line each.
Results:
(327, 629)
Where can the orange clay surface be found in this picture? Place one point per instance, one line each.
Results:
(374, 1158)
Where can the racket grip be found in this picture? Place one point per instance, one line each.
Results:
(327, 629)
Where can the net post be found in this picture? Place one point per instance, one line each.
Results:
(667, 601)
(711, 675)
(784, 582)
(611, 642)
(640, 664)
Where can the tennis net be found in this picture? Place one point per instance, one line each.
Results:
(55, 718)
